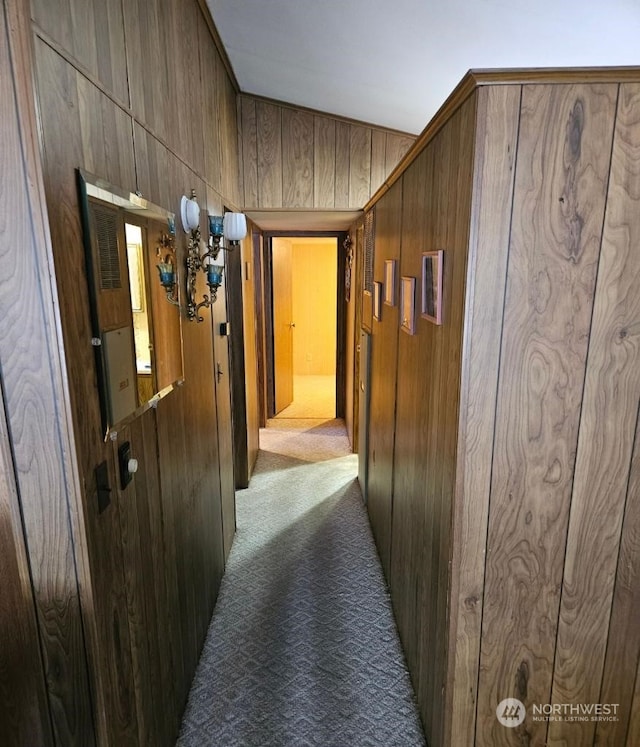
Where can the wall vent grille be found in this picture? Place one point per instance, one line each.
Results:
(106, 224)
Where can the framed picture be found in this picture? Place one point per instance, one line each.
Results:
(377, 301)
(408, 305)
(431, 307)
(390, 281)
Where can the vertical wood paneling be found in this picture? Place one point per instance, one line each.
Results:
(343, 147)
(223, 403)
(324, 162)
(157, 552)
(66, 144)
(93, 32)
(249, 150)
(188, 78)
(209, 62)
(297, 159)
(172, 458)
(378, 159)
(141, 608)
(235, 310)
(181, 38)
(315, 160)
(561, 176)
(148, 92)
(396, 147)
(359, 165)
(24, 711)
(606, 437)
(515, 482)
(633, 731)
(250, 345)
(497, 127)
(269, 155)
(405, 575)
(39, 468)
(436, 208)
(623, 644)
(228, 137)
(152, 167)
(384, 345)
(456, 235)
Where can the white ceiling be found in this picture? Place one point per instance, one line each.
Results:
(394, 63)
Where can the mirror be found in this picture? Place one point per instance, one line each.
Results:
(136, 322)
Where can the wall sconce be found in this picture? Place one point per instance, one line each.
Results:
(190, 213)
(232, 227)
(167, 267)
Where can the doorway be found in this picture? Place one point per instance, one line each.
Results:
(307, 317)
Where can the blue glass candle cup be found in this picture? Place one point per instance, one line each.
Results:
(167, 277)
(216, 225)
(214, 274)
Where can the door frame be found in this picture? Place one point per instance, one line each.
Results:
(341, 314)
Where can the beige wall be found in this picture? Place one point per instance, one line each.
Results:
(315, 267)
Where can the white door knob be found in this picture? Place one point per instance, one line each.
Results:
(132, 466)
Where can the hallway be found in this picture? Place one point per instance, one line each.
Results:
(302, 648)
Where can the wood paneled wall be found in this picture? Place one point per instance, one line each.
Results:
(506, 508)
(383, 372)
(295, 158)
(44, 681)
(138, 94)
(251, 327)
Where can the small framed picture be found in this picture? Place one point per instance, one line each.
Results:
(377, 301)
(408, 305)
(431, 306)
(390, 281)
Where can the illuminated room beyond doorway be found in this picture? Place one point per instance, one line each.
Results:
(305, 326)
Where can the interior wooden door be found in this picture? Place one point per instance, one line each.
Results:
(283, 324)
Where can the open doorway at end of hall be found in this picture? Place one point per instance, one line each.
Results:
(305, 323)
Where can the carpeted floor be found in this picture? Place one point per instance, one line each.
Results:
(313, 397)
(302, 647)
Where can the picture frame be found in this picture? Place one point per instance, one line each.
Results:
(377, 301)
(408, 305)
(390, 281)
(431, 303)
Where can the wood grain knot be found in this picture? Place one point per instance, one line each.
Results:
(471, 602)
(575, 130)
(522, 680)
(528, 518)
(554, 473)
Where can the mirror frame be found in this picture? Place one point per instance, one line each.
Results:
(95, 187)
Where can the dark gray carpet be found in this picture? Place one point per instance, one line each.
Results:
(302, 648)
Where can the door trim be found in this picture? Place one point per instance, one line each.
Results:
(341, 316)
